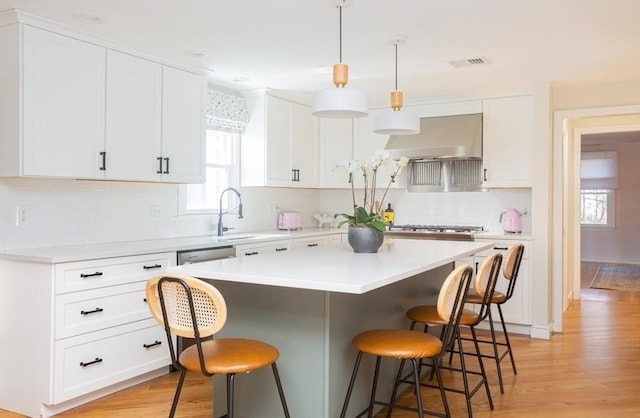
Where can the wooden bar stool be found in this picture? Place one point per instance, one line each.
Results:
(413, 346)
(510, 269)
(193, 308)
(428, 315)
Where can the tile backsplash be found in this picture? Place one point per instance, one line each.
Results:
(59, 212)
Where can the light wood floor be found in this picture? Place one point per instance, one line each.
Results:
(591, 370)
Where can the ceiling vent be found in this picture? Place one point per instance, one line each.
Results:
(470, 62)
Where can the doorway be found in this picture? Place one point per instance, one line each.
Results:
(569, 127)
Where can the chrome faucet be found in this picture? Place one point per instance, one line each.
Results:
(221, 228)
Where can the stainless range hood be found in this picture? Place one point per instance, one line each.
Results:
(456, 136)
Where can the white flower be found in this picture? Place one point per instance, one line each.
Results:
(368, 212)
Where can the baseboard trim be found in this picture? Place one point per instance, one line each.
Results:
(542, 333)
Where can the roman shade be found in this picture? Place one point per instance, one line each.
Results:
(226, 112)
(598, 170)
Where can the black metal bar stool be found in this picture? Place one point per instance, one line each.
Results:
(413, 346)
(428, 315)
(510, 269)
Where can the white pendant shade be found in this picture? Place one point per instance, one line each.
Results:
(339, 103)
(396, 122)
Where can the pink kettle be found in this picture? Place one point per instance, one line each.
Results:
(511, 221)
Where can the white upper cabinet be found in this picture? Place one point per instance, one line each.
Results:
(304, 153)
(366, 142)
(63, 82)
(279, 147)
(365, 145)
(336, 146)
(183, 129)
(508, 142)
(74, 109)
(134, 112)
(155, 125)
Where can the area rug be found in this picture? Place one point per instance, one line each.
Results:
(619, 277)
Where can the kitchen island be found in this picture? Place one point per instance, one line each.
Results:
(310, 303)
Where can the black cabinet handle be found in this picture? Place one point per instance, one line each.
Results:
(152, 345)
(295, 174)
(312, 245)
(103, 154)
(159, 159)
(155, 266)
(281, 249)
(97, 360)
(485, 174)
(501, 248)
(96, 310)
(84, 275)
(166, 170)
(251, 253)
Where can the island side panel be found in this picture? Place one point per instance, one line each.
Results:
(381, 308)
(294, 321)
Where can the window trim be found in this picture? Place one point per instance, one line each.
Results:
(234, 180)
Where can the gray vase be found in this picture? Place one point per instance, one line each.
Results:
(365, 239)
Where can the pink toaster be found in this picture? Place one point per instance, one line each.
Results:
(289, 220)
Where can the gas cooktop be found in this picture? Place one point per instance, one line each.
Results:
(437, 232)
(437, 228)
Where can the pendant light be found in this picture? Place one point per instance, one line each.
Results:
(396, 121)
(340, 102)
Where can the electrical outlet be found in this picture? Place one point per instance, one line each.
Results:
(156, 213)
(21, 215)
(271, 209)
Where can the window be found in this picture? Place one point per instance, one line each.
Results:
(227, 118)
(597, 208)
(222, 171)
(598, 174)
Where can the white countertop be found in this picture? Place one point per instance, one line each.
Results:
(336, 268)
(71, 253)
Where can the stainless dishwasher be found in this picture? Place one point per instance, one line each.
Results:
(205, 254)
(198, 256)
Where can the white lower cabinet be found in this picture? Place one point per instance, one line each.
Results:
(279, 246)
(317, 241)
(245, 250)
(84, 330)
(88, 362)
(517, 311)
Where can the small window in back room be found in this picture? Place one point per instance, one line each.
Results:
(598, 181)
(227, 117)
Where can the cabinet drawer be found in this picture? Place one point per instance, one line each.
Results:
(93, 310)
(93, 361)
(503, 246)
(262, 248)
(85, 275)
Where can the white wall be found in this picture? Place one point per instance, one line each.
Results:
(622, 244)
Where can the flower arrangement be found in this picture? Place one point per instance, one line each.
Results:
(369, 213)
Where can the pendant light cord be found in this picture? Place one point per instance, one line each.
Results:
(340, 38)
(396, 44)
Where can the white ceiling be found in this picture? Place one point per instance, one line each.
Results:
(290, 45)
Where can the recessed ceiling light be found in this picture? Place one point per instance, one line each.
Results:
(195, 53)
(87, 18)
